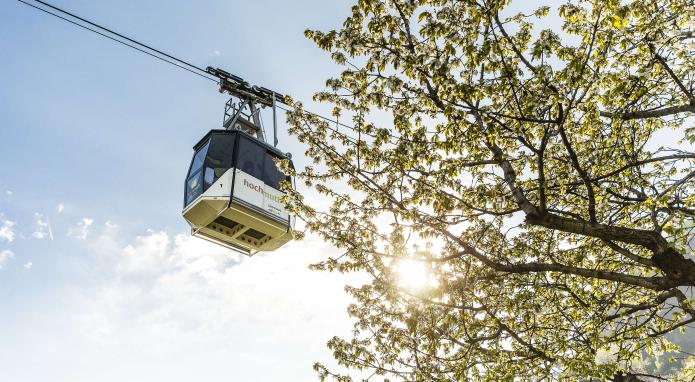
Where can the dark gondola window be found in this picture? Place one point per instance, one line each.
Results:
(194, 187)
(250, 158)
(258, 161)
(219, 157)
(194, 182)
(199, 158)
(209, 177)
(272, 176)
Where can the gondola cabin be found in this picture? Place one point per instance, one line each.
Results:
(232, 193)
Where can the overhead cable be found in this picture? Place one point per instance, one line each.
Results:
(143, 48)
(133, 43)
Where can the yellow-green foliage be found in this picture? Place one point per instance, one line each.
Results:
(520, 153)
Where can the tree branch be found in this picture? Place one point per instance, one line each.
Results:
(626, 116)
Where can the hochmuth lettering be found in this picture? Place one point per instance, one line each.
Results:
(260, 189)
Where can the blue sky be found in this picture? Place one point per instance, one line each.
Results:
(99, 279)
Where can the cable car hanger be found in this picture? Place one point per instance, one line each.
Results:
(248, 96)
(233, 187)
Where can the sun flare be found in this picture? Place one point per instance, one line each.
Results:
(414, 275)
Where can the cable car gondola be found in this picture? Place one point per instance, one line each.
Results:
(232, 189)
(232, 194)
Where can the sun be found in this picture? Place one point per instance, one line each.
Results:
(415, 275)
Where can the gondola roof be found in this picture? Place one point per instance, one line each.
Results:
(222, 131)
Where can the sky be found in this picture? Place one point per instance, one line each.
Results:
(99, 277)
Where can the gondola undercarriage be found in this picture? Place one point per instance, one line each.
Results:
(240, 212)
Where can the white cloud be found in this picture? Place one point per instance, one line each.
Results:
(5, 256)
(60, 207)
(6, 231)
(215, 53)
(146, 255)
(9, 193)
(43, 227)
(177, 308)
(81, 229)
(169, 294)
(28, 265)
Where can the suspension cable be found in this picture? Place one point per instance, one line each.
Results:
(133, 43)
(144, 48)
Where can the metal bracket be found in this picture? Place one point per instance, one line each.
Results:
(235, 114)
(243, 115)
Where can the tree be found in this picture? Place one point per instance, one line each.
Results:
(523, 168)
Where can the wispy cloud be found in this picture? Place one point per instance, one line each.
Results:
(5, 256)
(81, 229)
(215, 53)
(60, 207)
(111, 225)
(9, 193)
(28, 265)
(6, 230)
(43, 227)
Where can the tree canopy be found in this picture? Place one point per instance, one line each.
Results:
(537, 163)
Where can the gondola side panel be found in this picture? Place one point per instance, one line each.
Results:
(256, 193)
